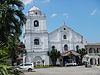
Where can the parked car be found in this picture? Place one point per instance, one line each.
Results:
(71, 64)
(27, 67)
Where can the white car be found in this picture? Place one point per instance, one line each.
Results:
(27, 67)
(70, 64)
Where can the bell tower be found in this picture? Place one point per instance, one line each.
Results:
(36, 36)
(37, 20)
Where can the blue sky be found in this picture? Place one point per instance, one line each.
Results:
(83, 16)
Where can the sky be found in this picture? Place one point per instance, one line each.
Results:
(83, 16)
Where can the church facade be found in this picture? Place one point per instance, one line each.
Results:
(38, 41)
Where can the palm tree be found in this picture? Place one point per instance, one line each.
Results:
(54, 54)
(11, 22)
(11, 18)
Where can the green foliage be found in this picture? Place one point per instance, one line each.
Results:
(11, 18)
(54, 54)
(82, 52)
(3, 71)
(46, 66)
(3, 56)
(98, 64)
(10, 70)
(11, 21)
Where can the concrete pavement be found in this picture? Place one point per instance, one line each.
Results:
(75, 70)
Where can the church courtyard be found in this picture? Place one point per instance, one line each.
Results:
(75, 70)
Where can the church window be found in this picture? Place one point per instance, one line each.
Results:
(36, 13)
(53, 47)
(65, 47)
(64, 36)
(36, 41)
(36, 23)
(64, 28)
(77, 47)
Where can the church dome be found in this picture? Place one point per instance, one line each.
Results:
(34, 8)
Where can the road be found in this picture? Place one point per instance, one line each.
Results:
(78, 70)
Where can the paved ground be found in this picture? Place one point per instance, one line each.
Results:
(78, 70)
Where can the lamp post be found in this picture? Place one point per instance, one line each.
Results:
(24, 59)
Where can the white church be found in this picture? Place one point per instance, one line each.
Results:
(38, 41)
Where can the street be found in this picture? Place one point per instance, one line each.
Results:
(75, 70)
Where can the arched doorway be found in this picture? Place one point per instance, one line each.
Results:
(98, 60)
(65, 47)
(65, 60)
(90, 50)
(92, 61)
(37, 61)
(77, 47)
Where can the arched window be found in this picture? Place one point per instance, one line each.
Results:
(36, 13)
(53, 47)
(97, 50)
(65, 47)
(64, 37)
(64, 28)
(77, 47)
(36, 23)
(36, 41)
(90, 50)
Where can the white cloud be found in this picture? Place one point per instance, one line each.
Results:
(46, 1)
(65, 15)
(94, 12)
(26, 2)
(53, 15)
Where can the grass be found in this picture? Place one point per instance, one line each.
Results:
(98, 64)
(46, 66)
(41, 66)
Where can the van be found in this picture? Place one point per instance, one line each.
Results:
(27, 67)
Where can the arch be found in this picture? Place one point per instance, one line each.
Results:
(64, 37)
(77, 47)
(98, 60)
(36, 23)
(90, 50)
(92, 61)
(65, 47)
(53, 47)
(94, 50)
(36, 41)
(97, 50)
(37, 60)
(64, 28)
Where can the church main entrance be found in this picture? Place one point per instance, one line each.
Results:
(37, 61)
(70, 58)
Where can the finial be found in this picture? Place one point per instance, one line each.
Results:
(64, 23)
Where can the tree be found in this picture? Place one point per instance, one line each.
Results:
(53, 54)
(3, 56)
(82, 52)
(21, 49)
(11, 18)
(11, 21)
